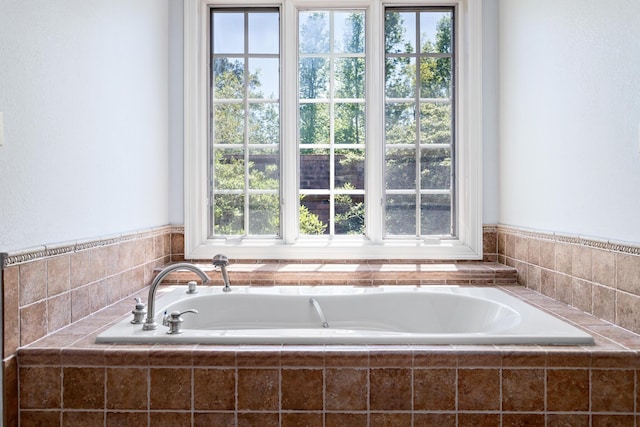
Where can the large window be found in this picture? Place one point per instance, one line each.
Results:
(331, 132)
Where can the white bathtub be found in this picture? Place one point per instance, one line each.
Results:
(354, 315)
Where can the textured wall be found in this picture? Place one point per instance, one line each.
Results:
(83, 88)
(569, 116)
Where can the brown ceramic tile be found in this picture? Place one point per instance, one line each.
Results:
(391, 356)
(346, 389)
(58, 312)
(627, 311)
(82, 419)
(523, 420)
(612, 390)
(521, 249)
(565, 357)
(302, 389)
(628, 273)
(604, 268)
(434, 389)
(11, 323)
(177, 243)
(170, 388)
(129, 254)
(122, 355)
(58, 275)
(99, 296)
(437, 357)
(534, 278)
(214, 389)
(564, 289)
(120, 419)
(547, 254)
(308, 356)
(216, 356)
(612, 420)
(581, 262)
(169, 419)
(472, 356)
(72, 356)
(114, 287)
(548, 283)
(523, 390)
(355, 356)
(567, 390)
(127, 388)
(478, 420)
(434, 419)
(332, 419)
(171, 355)
(258, 419)
(604, 303)
(258, 389)
(40, 418)
(258, 356)
(83, 388)
(386, 419)
(567, 420)
(33, 322)
(390, 389)
(582, 295)
(80, 268)
(534, 251)
(112, 258)
(302, 419)
(563, 254)
(478, 389)
(217, 419)
(523, 356)
(80, 303)
(10, 390)
(33, 282)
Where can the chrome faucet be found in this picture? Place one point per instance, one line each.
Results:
(150, 323)
(222, 262)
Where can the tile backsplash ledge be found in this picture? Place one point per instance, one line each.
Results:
(599, 277)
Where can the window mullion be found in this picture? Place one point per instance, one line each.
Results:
(418, 136)
(374, 113)
(290, 177)
(247, 203)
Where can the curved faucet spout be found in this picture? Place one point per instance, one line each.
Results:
(150, 323)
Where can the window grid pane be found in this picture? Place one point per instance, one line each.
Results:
(419, 124)
(331, 77)
(244, 145)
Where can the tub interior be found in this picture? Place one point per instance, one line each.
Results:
(392, 312)
(355, 315)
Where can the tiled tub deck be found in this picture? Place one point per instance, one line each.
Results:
(67, 379)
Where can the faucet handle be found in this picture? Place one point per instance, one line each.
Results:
(139, 312)
(174, 321)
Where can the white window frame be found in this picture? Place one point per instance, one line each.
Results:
(468, 129)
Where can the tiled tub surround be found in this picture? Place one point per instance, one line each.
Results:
(67, 357)
(68, 379)
(598, 277)
(47, 288)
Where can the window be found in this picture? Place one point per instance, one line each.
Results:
(322, 132)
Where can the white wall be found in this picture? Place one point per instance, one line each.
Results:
(570, 116)
(490, 113)
(84, 91)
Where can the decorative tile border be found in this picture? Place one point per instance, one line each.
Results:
(607, 245)
(32, 254)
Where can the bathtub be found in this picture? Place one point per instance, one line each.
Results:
(349, 315)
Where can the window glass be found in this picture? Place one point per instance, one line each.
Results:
(419, 153)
